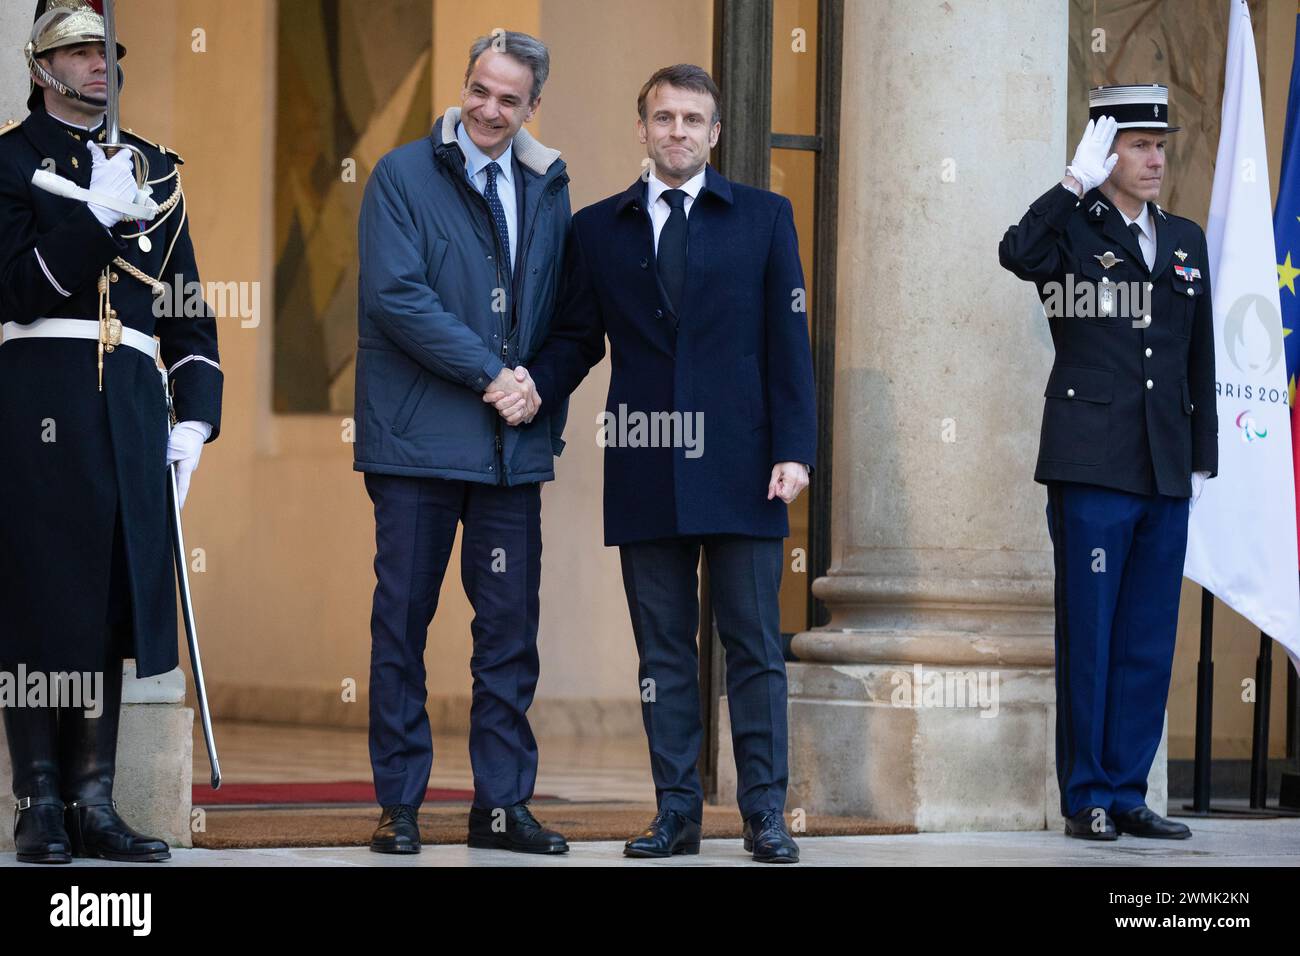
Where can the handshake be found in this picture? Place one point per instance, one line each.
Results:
(514, 394)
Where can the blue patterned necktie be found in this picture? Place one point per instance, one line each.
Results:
(498, 215)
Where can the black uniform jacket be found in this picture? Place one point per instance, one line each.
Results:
(84, 468)
(1130, 402)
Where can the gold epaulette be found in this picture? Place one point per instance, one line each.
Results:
(9, 127)
(158, 146)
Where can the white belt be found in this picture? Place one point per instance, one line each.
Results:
(77, 329)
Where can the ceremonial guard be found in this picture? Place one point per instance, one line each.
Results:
(93, 253)
(1129, 435)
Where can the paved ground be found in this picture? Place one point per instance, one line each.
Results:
(1214, 843)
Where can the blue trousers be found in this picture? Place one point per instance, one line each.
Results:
(500, 568)
(1119, 571)
(661, 583)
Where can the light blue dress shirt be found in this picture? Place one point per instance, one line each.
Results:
(476, 162)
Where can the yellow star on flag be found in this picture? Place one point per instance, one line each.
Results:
(1286, 274)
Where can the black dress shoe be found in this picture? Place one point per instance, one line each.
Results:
(518, 830)
(1091, 823)
(398, 831)
(97, 831)
(767, 838)
(39, 835)
(1145, 822)
(668, 834)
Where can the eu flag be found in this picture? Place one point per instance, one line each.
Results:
(1286, 232)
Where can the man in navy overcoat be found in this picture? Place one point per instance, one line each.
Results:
(709, 432)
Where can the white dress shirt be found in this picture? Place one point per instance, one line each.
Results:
(476, 163)
(658, 207)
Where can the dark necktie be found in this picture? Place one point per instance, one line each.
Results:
(1137, 234)
(670, 257)
(498, 216)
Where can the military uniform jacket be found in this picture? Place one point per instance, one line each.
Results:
(78, 462)
(1130, 402)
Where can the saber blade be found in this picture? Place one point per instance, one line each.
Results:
(112, 116)
(191, 630)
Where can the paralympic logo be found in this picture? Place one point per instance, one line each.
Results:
(1250, 431)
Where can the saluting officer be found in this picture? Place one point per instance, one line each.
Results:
(1129, 435)
(86, 574)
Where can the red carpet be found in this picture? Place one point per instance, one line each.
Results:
(346, 791)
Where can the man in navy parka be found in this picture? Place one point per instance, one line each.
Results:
(461, 237)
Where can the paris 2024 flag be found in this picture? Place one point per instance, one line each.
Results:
(1242, 535)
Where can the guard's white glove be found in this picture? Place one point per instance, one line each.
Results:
(184, 447)
(113, 177)
(1198, 484)
(1093, 159)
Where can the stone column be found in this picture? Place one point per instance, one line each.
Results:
(154, 753)
(15, 28)
(929, 698)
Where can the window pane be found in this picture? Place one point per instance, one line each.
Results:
(794, 67)
(352, 82)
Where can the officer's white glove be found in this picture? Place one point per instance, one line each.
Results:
(112, 177)
(184, 447)
(1093, 159)
(1198, 483)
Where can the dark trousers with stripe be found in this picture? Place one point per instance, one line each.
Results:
(1119, 571)
(661, 583)
(500, 567)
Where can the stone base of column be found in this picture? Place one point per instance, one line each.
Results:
(154, 761)
(907, 745)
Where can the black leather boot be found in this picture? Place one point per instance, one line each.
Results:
(88, 761)
(39, 836)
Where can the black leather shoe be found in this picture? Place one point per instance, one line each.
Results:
(399, 830)
(1091, 823)
(1145, 822)
(668, 834)
(767, 838)
(522, 833)
(39, 836)
(97, 831)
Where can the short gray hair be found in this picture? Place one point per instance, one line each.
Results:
(528, 50)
